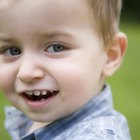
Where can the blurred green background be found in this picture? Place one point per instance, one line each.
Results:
(125, 85)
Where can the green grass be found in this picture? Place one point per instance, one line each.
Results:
(125, 84)
(3, 133)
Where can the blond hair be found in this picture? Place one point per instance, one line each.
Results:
(106, 15)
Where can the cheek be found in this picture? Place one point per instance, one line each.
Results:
(7, 77)
(81, 78)
(73, 79)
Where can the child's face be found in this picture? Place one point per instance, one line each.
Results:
(50, 49)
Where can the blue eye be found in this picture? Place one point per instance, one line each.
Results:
(11, 51)
(54, 48)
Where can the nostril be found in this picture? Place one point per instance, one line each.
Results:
(25, 78)
(30, 76)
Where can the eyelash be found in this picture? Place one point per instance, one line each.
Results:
(4, 50)
(56, 48)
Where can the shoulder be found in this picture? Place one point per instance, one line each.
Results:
(18, 118)
(18, 124)
(113, 127)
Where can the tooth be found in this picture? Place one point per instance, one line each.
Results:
(29, 92)
(44, 92)
(37, 93)
(51, 91)
(42, 100)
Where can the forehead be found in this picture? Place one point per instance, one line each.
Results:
(31, 14)
(27, 8)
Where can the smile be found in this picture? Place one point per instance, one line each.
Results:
(39, 96)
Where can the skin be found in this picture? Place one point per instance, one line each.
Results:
(77, 70)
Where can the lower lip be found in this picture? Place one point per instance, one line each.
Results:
(38, 104)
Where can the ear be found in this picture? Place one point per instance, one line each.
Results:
(115, 53)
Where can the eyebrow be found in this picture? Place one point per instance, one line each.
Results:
(49, 35)
(5, 38)
(58, 33)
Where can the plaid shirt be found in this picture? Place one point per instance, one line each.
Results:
(97, 120)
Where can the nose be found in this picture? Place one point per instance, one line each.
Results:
(30, 71)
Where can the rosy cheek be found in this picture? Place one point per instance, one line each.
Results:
(6, 78)
(70, 81)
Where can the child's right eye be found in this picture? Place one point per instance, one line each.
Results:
(10, 51)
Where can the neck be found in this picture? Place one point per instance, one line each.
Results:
(37, 125)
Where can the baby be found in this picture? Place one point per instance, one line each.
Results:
(55, 56)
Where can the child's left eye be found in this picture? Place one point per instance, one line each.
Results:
(55, 48)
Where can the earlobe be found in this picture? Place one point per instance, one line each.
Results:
(115, 54)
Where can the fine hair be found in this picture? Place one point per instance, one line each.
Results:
(106, 15)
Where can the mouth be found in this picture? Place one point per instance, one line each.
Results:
(39, 96)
